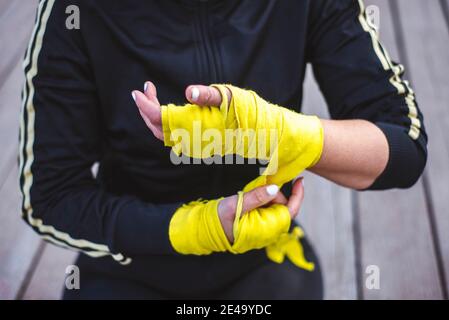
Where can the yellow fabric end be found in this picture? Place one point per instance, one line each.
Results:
(290, 246)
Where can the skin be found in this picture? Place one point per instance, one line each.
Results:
(355, 153)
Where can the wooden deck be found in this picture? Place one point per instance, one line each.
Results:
(404, 233)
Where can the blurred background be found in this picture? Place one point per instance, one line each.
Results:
(372, 245)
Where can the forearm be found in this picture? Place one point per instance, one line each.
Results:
(355, 153)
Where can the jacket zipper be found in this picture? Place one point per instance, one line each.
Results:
(211, 59)
(211, 68)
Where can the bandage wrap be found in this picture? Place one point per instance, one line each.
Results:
(299, 138)
(195, 228)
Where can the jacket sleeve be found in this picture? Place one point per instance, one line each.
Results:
(60, 139)
(359, 81)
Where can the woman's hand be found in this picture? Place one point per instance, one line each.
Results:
(353, 163)
(259, 197)
(150, 108)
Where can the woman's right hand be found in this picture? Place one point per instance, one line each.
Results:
(259, 197)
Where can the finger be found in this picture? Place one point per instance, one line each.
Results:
(295, 201)
(148, 122)
(280, 199)
(149, 89)
(149, 108)
(203, 95)
(259, 197)
(155, 130)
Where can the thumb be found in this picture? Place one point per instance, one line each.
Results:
(251, 200)
(205, 95)
(259, 197)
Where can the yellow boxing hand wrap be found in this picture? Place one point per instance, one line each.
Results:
(253, 124)
(259, 227)
(196, 228)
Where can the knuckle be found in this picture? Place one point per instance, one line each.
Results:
(208, 95)
(216, 95)
(259, 194)
(158, 120)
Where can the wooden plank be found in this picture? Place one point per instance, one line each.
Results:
(427, 47)
(327, 217)
(445, 5)
(18, 243)
(48, 278)
(18, 17)
(16, 21)
(394, 226)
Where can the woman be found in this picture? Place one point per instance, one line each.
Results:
(78, 111)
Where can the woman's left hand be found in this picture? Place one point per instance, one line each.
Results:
(150, 108)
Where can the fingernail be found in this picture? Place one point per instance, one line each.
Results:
(195, 93)
(133, 94)
(272, 190)
(302, 180)
(145, 87)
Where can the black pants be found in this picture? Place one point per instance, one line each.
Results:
(267, 281)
